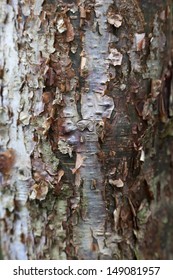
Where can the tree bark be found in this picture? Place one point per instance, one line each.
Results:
(86, 129)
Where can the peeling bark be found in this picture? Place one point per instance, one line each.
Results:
(86, 129)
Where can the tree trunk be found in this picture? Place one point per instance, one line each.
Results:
(86, 129)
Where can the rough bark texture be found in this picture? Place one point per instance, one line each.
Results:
(86, 129)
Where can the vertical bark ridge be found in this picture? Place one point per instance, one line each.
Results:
(96, 106)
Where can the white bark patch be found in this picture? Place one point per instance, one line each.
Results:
(116, 214)
(142, 157)
(137, 51)
(117, 183)
(20, 47)
(15, 137)
(115, 57)
(61, 26)
(115, 19)
(37, 7)
(64, 147)
(139, 41)
(95, 107)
